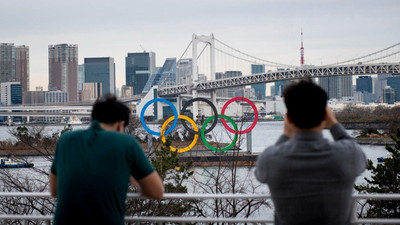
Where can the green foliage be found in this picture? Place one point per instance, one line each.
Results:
(174, 175)
(385, 179)
(170, 169)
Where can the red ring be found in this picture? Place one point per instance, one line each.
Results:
(255, 115)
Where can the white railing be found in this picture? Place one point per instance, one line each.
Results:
(184, 220)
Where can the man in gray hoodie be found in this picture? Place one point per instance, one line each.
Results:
(310, 178)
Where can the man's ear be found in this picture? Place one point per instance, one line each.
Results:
(288, 118)
(121, 126)
(325, 115)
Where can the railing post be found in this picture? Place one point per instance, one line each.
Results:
(354, 213)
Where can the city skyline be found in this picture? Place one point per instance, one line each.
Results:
(333, 31)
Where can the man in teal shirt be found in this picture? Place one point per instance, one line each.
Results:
(92, 168)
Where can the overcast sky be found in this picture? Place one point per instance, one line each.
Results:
(269, 29)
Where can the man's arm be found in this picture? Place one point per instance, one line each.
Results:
(151, 186)
(287, 131)
(339, 133)
(337, 130)
(53, 184)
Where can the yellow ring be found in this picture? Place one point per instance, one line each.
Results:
(196, 136)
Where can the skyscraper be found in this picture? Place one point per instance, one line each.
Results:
(389, 95)
(259, 89)
(184, 71)
(228, 74)
(101, 70)
(81, 76)
(278, 86)
(330, 85)
(22, 66)
(337, 86)
(138, 68)
(166, 75)
(364, 84)
(63, 69)
(14, 64)
(346, 86)
(7, 62)
(394, 82)
(380, 82)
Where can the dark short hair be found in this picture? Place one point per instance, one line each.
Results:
(109, 110)
(305, 102)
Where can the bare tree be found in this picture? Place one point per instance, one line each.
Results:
(33, 179)
(227, 177)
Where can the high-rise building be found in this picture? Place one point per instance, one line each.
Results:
(101, 70)
(11, 93)
(14, 64)
(259, 89)
(221, 92)
(184, 71)
(138, 68)
(364, 84)
(330, 85)
(63, 70)
(56, 97)
(394, 82)
(229, 74)
(346, 86)
(7, 62)
(22, 66)
(245, 92)
(226, 92)
(389, 95)
(279, 87)
(166, 75)
(91, 91)
(81, 76)
(337, 86)
(380, 82)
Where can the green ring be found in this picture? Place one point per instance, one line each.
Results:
(203, 138)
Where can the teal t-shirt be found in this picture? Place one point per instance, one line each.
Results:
(93, 167)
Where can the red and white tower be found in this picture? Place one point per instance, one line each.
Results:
(302, 50)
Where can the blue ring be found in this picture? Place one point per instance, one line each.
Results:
(173, 110)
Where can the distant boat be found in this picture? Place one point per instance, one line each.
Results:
(74, 120)
(13, 163)
(269, 117)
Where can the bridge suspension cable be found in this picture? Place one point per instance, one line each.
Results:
(369, 55)
(386, 56)
(256, 59)
(185, 51)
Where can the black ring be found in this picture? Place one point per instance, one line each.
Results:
(200, 100)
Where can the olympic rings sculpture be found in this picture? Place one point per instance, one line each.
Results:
(203, 131)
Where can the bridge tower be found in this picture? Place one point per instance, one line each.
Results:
(209, 40)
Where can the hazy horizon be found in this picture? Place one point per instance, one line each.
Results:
(333, 30)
